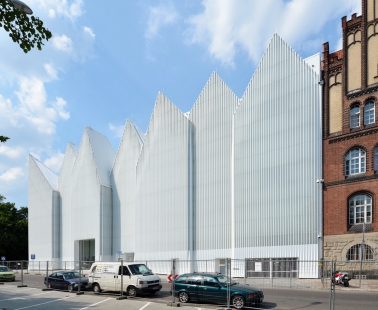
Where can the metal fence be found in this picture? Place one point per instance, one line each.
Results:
(265, 274)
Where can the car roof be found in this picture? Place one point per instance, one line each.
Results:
(212, 274)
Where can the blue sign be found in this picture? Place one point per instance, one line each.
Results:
(32, 256)
(119, 252)
(3, 258)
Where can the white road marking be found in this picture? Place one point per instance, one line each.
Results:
(95, 304)
(25, 296)
(144, 306)
(23, 289)
(44, 303)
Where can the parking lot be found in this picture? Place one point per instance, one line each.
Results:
(310, 298)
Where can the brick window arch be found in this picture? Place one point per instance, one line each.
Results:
(355, 161)
(360, 208)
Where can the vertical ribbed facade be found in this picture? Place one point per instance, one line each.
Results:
(162, 186)
(231, 178)
(277, 138)
(65, 189)
(123, 180)
(211, 116)
(44, 216)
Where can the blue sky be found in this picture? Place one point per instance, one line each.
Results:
(108, 60)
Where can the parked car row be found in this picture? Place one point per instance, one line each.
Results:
(138, 278)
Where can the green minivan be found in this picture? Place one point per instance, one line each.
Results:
(6, 274)
(212, 288)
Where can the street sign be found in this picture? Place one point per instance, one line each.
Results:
(3, 258)
(32, 256)
(119, 252)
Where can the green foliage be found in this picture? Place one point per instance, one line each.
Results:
(3, 139)
(27, 32)
(13, 231)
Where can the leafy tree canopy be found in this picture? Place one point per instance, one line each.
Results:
(27, 32)
(13, 231)
(3, 139)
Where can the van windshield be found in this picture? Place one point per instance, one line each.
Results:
(139, 269)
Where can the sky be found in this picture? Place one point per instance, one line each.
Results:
(107, 61)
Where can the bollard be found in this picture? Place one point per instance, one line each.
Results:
(79, 292)
(22, 277)
(47, 278)
(121, 272)
(173, 272)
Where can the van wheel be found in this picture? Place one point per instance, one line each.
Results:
(96, 288)
(131, 291)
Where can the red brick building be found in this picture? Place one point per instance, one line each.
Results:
(350, 139)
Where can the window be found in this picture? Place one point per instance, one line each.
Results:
(355, 162)
(355, 117)
(359, 252)
(376, 159)
(360, 207)
(369, 113)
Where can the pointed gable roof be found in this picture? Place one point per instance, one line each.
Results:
(49, 175)
(103, 153)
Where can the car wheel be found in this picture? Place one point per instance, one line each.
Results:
(49, 285)
(183, 297)
(96, 288)
(14, 279)
(237, 301)
(346, 283)
(70, 288)
(131, 291)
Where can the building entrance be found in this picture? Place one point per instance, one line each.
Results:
(87, 251)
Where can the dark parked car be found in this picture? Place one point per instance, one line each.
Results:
(66, 280)
(212, 288)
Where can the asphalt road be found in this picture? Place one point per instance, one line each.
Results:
(12, 297)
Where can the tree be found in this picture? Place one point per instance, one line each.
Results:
(13, 231)
(27, 32)
(3, 139)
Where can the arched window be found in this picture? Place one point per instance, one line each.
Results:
(360, 207)
(355, 162)
(369, 113)
(376, 159)
(359, 252)
(355, 117)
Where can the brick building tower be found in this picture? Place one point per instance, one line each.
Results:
(350, 140)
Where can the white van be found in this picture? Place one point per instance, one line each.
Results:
(137, 278)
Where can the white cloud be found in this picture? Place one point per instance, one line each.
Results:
(55, 162)
(89, 31)
(159, 16)
(227, 26)
(12, 174)
(51, 13)
(62, 43)
(118, 130)
(15, 152)
(66, 8)
(51, 71)
(59, 106)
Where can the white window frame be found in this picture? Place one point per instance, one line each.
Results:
(355, 117)
(360, 208)
(369, 113)
(355, 162)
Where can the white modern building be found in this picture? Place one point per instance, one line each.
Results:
(232, 178)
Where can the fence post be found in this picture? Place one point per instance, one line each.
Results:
(173, 272)
(291, 273)
(332, 291)
(271, 272)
